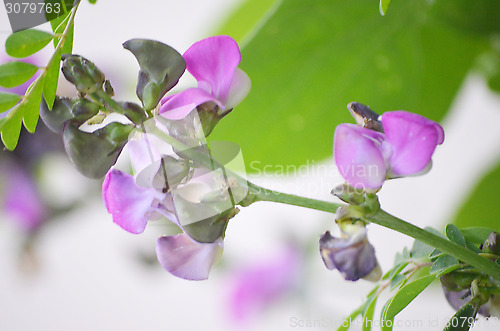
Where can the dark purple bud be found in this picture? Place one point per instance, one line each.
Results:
(458, 299)
(353, 256)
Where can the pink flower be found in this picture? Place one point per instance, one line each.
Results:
(256, 287)
(213, 62)
(366, 158)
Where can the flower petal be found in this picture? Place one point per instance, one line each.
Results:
(240, 87)
(359, 155)
(129, 203)
(413, 139)
(212, 62)
(185, 258)
(179, 105)
(21, 199)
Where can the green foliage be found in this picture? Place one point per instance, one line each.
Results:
(27, 42)
(32, 105)
(403, 298)
(482, 206)
(305, 73)
(51, 79)
(15, 73)
(383, 6)
(444, 264)
(8, 100)
(10, 126)
(454, 234)
(463, 320)
(247, 18)
(161, 67)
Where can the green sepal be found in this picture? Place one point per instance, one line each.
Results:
(94, 153)
(161, 66)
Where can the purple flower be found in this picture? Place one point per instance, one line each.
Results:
(256, 287)
(354, 257)
(21, 199)
(365, 158)
(213, 62)
(457, 299)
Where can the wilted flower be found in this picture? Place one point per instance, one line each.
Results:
(366, 158)
(353, 256)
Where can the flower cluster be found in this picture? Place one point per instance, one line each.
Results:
(169, 182)
(392, 145)
(404, 146)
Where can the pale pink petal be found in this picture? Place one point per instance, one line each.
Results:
(359, 155)
(413, 139)
(181, 104)
(129, 203)
(142, 153)
(240, 87)
(185, 258)
(212, 62)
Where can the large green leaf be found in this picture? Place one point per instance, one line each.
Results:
(27, 42)
(311, 58)
(482, 207)
(15, 73)
(51, 79)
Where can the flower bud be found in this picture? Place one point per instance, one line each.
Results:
(354, 257)
(349, 194)
(492, 244)
(86, 77)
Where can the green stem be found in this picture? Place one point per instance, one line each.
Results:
(386, 220)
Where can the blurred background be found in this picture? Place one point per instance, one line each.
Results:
(65, 265)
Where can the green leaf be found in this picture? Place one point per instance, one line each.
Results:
(11, 128)
(383, 6)
(419, 249)
(403, 298)
(311, 58)
(247, 18)
(58, 26)
(395, 270)
(15, 73)
(51, 79)
(368, 314)
(482, 204)
(477, 234)
(454, 234)
(8, 100)
(32, 105)
(463, 319)
(27, 42)
(161, 67)
(478, 16)
(444, 263)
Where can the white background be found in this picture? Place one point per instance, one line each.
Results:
(89, 276)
